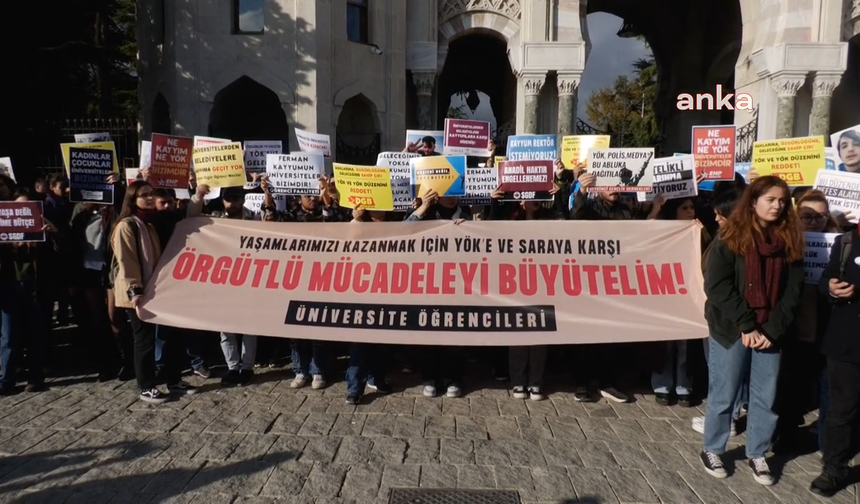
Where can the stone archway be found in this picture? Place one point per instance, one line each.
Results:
(695, 48)
(248, 110)
(161, 122)
(460, 17)
(358, 131)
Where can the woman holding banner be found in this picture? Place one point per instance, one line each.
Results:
(754, 277)
(136, 249)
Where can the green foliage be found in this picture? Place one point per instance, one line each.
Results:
(625, 110)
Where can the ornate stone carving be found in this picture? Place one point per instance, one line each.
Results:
(424, 82)
(823, 85)
(532, 84)
(450, 8)
(787, 86)
(567, 84)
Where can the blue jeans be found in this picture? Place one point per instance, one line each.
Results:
(743, 395)
(24, 323)
(192, 347)
(726, 368)
(308, 357)
(367, 362)
(674, 372)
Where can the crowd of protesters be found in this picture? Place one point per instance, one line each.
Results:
(777, 347)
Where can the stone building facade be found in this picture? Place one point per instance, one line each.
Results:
(364, 71)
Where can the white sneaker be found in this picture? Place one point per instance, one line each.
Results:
(614, 395)
(429, 390)
(698, 425)
(761, 471)
(299, 381)
(453, 391)
(535, 394)
(519, 393)
(318, 383)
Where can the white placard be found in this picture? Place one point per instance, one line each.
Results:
(6, 168)
(401, 176)
(480, 184)
(817, 254)
(145, 154)
(842, 190)
(255, 157)
(674, 178)
(621, 170)
(254, 201)
(295, 175)
(314, 143)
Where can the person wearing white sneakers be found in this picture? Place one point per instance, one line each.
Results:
(754, 276)
(308, 360)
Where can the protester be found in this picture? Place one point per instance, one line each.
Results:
(841, 349)
(136, 249)
(753, 281)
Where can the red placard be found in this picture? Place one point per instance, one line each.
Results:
(466, 138)
(526, 180)
(171, 161)
(714, 151)
(21, 221)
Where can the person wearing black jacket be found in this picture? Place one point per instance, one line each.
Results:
(841, 347)
(754, 278)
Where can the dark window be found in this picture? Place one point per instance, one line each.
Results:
(356, 21)
(248, 16)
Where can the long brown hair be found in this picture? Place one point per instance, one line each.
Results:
(129, 203)
(742, 227)
(816, 196)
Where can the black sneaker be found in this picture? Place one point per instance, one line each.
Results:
(713, 465)
(353, 399)
(661, 398)
(231, 378)
(761, 471)
(380, 388)
(182, 388)
(153, 396)
(825, 485)
(203, 372)
(245, 377)
(7, 389)
(582, 394)
(685, 401)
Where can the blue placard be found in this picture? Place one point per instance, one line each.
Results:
(532, 148)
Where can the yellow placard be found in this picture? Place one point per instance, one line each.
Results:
(794, 160)
(444, 174)
(64, 150)
(574, 149)
(368, 186)
(220, 165)
(499, 159)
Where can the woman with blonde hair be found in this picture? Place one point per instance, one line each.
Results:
(753, 281)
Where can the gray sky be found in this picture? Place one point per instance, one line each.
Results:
(610, 56)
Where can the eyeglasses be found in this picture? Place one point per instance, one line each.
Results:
(813, 217)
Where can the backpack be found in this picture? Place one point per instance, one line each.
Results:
(845, 252)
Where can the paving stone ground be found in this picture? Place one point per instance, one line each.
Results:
(85, 442)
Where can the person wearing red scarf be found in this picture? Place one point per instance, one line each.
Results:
(754, 277)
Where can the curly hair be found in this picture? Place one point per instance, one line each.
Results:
(743, 225)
